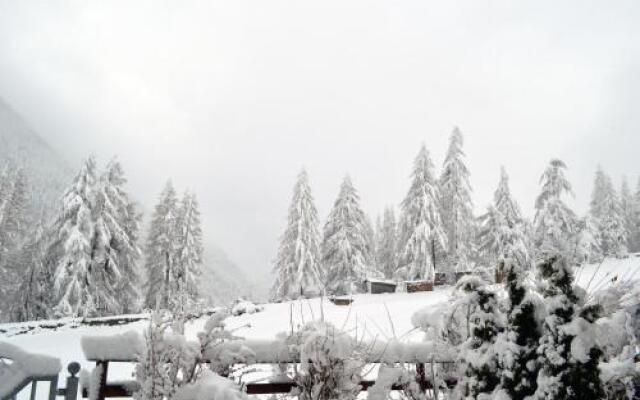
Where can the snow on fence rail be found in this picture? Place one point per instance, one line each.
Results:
(125, 348)
(19, 369)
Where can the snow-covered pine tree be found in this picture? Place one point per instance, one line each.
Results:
(13, 211)
(370, 236)
(298, 265)
(554, 221)
(504, 202)
(477, 355)
(606, 210)
(13, 231)
(519, 364)
(160, 249)
(72, 250)
(587, 241)
(635, 233)
(346, 251)
(32, 300)
(627, 207)
(387, 244)
(502, 234)
(421, 229)
(569, 368)
(456, 205)
(189, 252)
(117, 226)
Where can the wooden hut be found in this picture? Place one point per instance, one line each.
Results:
(375, 286)
(419, 286)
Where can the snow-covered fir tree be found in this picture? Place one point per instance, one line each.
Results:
(519, 363)
(92, 245)
(587, 248)
(387, 244)
(160, 249)
(188, 262)
(456, 205)
(635, 232)
(76, 293)
(13, 210)
(298, 264)
(421, 231)
(502, 233)
(32, 300)
(478, 356)
(606, 210)
(629, 211)
(117, 227)
(346, 251)
(554, 222)
(370, 236)
(568, 353)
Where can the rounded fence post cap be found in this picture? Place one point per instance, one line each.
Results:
(73, 368)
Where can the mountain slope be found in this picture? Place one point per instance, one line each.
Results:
(223, 280)
(20, 145)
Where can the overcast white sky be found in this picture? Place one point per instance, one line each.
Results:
(232, 98)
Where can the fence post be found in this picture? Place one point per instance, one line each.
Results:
(422, 377)
(434, 384)
(102, 367)
(71, 391)
(53, 388)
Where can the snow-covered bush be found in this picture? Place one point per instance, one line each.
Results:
(517, 344)
(477, 357)
(171, 367)
(210, 386)
(617, 335)
(331, 362)
(568, 350)
(245, 307)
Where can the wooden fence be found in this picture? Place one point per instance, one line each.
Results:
(419, 355)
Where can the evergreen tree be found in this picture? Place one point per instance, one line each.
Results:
(387, 244)
(32, 300)
(519, 359)
(117, 226)
(606, 210)
(635, 233)
(370, 237)
(477, 355)
(569, 367)
(588, 241)
(554, 221)
(502, 233)
(628, 209)
(160, 249)
(421, 231)
(297, 265)
(456, 205)
(346, 250)
(188, 263)
(74, 281)
(13, 210)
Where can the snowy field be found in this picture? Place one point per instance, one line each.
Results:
(380, 316)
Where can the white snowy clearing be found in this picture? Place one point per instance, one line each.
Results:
(371, 316)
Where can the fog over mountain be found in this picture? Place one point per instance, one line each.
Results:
(49, 175)
(231, 99)
(48, 172)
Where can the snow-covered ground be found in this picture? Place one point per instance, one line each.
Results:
(380, 316)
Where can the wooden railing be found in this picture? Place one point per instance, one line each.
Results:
(419, 355)
(70, 392)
